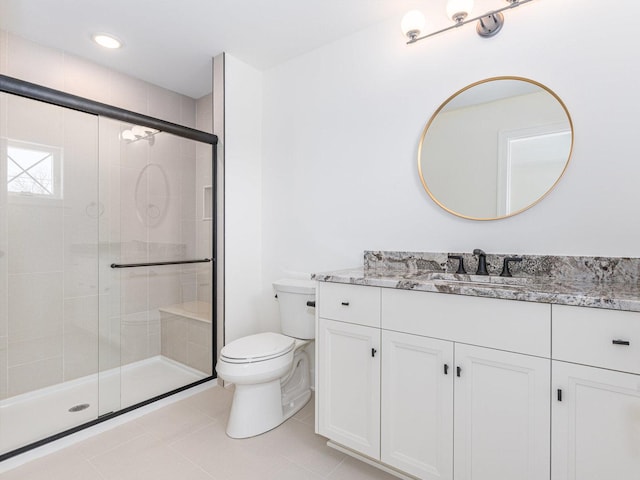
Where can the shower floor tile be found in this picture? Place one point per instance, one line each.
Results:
(187, 440)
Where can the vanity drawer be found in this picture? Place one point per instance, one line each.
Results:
(587, 335)
(349, 303)
(511, 325)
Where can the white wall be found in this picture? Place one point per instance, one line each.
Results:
(243, 194)
(341, 128)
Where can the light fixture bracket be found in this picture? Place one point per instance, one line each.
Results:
(459, 17)
(413, 35)
(490, 25)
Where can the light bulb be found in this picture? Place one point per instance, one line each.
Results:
(458, 10)
(107, 41)
(412, 24)
(128, 135)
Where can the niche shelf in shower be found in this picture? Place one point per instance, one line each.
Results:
(207, 202)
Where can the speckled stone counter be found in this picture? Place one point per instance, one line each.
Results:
(599, 282)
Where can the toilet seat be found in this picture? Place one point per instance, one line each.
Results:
(257, 348)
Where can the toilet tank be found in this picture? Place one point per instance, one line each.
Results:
(297, 319)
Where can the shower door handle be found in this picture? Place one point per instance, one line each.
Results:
(155, 264)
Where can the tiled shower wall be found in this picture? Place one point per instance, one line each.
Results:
(203, 179)
(64, 346)
(48, 243)
(151, 216)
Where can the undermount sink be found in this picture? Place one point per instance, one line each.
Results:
(477, 280)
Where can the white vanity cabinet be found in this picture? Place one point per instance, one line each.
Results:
(596, 394)
(417, 405)
(349, 385)
(498, 424)
(502, 415)
(348, 349)
(464, 382)
(501, 410)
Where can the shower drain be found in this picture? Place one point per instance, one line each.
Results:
(79, 408)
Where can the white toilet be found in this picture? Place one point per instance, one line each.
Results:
(271, 371)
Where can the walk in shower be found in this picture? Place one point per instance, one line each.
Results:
(107, 263)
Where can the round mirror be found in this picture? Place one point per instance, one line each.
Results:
(495, 148)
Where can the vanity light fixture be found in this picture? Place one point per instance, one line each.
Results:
(138, 132)
(488, 24)
(106, 41)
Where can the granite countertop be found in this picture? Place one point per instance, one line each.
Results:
(578, 290)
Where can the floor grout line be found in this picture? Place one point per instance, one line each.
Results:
(113, 447)
(182, 438)
(95, 469)
(336, 467)
(191, 462)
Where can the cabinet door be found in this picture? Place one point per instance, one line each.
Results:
(502, 415)
(596, 425)
(417, 405)
(349, 385)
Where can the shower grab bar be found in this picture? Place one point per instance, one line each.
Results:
(154, 264)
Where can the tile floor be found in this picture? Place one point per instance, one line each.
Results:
(186, 441)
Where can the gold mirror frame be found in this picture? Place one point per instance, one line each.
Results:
(446, 102)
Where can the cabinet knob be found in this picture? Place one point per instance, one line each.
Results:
(373, 352)
(621, 342)
(345, 304)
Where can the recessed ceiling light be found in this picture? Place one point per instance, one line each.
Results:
(106, 41)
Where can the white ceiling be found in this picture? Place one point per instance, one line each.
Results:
(171, 42)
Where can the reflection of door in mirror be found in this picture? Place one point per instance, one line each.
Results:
(495, 148)
(529, 160)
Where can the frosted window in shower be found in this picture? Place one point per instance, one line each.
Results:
(34, 170)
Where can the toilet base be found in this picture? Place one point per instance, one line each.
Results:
(258, 408)
(255, 409)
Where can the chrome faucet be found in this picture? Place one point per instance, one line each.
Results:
(482, 262)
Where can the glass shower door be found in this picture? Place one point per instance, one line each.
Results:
(85, 329)
(159, 216)
(49, 288)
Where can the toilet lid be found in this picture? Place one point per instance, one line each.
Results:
(262, 346)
